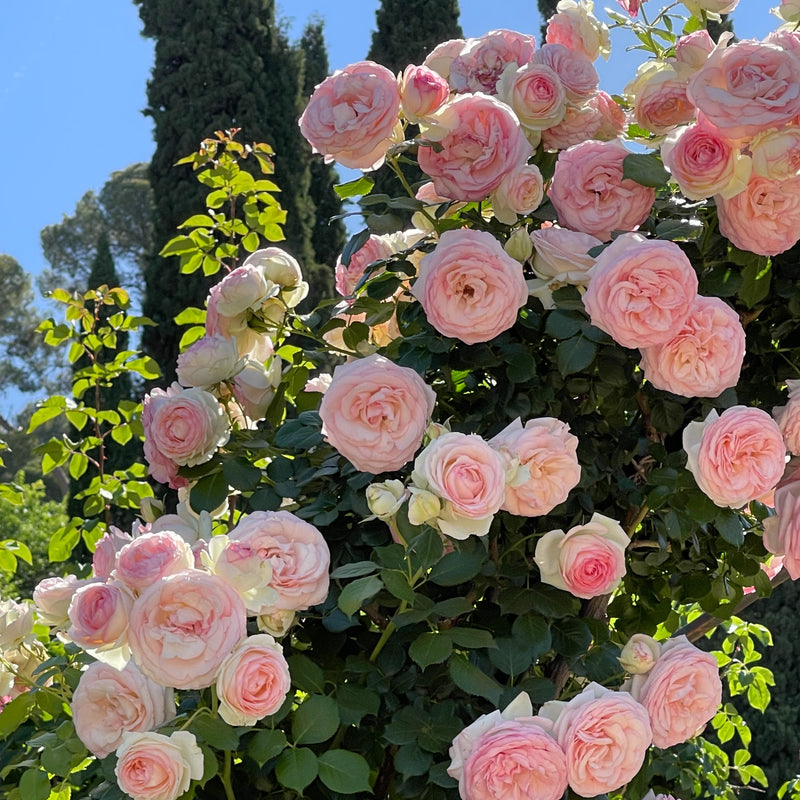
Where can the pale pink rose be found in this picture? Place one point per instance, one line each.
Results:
(747, 87)
(519, 193)
(586, 561)
(631, 7)
(254, 387)
(639, 654)
(240, 291)
(104, 558)
(736, 457)
(788, 418)
(776, 153)
(580, 123)
(150, 557)
(52, 597)
(705, 163)
(422, 91)
(770, 568)
(16, 623)
(704, 358)
(576, 71)
(478, 66)
(482, 142)
(209, 360)
(544, 454)
(352, 114)
(465, 471)
(376, 248)
(182, 628)
(764, 218)
(298, 555)
(185, 426)
(641, 290)
(253, 681)
(575, 27)
(375, 413)
(590, 194)
(605, 736)
(660, 796)
(785, 37)
(563, 256)
(276, 623)
(659, 99)
(535, 93)
(98, 615)
(319, 383)
(108, 702)
(443, 55)
(691, 52)
(278, 266)
(612, 117)
(152, 766)
(782, 531)
(681, 693)
(470, 288)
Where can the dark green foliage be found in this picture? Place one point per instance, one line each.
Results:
(546, 9)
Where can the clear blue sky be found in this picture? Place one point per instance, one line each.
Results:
(73, 80)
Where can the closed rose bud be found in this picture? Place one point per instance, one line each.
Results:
(519, 245)
(639, 654)
(422, 91)
(384, 499)
(423, 506)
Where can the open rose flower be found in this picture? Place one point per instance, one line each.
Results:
(736, 457)
(480, 62)
(782, 531)
(208, 361)
(519, 193)
(52, 597)
(641, 290)
(422, 91)
(576, 72)
(562, 255)
(470, 288)
(375, 413)
(152, 556)
(98, 615)
(16, 623)
(352, 114)
(659, 100)
(376, 248)
(536, 94)
(575, 26)
(681, 693)
(788, 418)
(587, 561)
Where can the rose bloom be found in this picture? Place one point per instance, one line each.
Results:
(764, 218)
(736, 457)
(52, 597)
(747, 88)
(254, 388)
(442, 56)
(375, 413)
(482, 141)
(605, 735)
(480, 62)
(586, 561)
(253, 681)
(705, 163)
(352, 115)
(630, 7)
(422, 91)
(183, 425)
(681, 693)
(599, 118)
(590, 194)
(535, 93)
(776, 153)
(658, 96)
(706, 355)
(182, 628)
(691, 52)
(104, 558)
(788, 11)
(548, 468)
(641, 290)
(151, 766)
(98, 613)
(16, 623)
(152, 556)
(108, 702)
(470, 288)
(788, 418)
(714, 6)
(376, 248)
(563, 256)
(208, 361)
(519, 193)
(782, 531)
(575, 27)
(298, 555)
(576, 72)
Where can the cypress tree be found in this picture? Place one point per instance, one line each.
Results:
(218, 65)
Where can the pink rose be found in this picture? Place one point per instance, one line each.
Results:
(422, 91)
(98, 613)
(482, 142)
(782, 531)
(788, 418)
(319, 383)
(548, 468)
(254, 387)
(590, 194)
(253, 681)
(375, 413)
(776, 153)
(576, 71)
(297, 552)
(747, 87)
(183, 627)
(586, 561)
(478, 66)
(470, 288)
(605, 736)
(152, 556)
(109, 702)
(52, 597)
(691, 52)
(630, 7)
(535, 93)
(104, 558)
(704, 358)
(681, 693)
(352, 114)
(704, 162)
(659, 98)
(736, 457)
(376, 248)
(580, 123)
(519, 193)
(641, 290)
(208, 361)
(151, 766)
(764, 218)
(442, 56)
(575, 27)
(562, 255)
(610, 114)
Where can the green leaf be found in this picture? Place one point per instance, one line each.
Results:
(266, 745)
(472, 680)
(15, 713)
(241, 474)
(42, 415)
(356, 593)
(430, 648)
(355, 570)
(306, 675)
(730, 528)
(471, 638)
(197, 221)
(209, 492)
(571, 637)
(296, 768)
(34, 785)
(215, 732)
(356, 242)
(411, 760)
(178, 246)
(457, 567)
(425, 550)
(344, 772)
(575, 354)
(316, 720)
(63, 542)
(191, 316)
(563, 324)
(646, 169)
(397, 584)
(360, 186)
(756, 278)
(355, 702)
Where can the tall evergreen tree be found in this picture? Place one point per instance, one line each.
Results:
(218, 65)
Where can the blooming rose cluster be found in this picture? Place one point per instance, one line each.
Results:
(21, 653)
